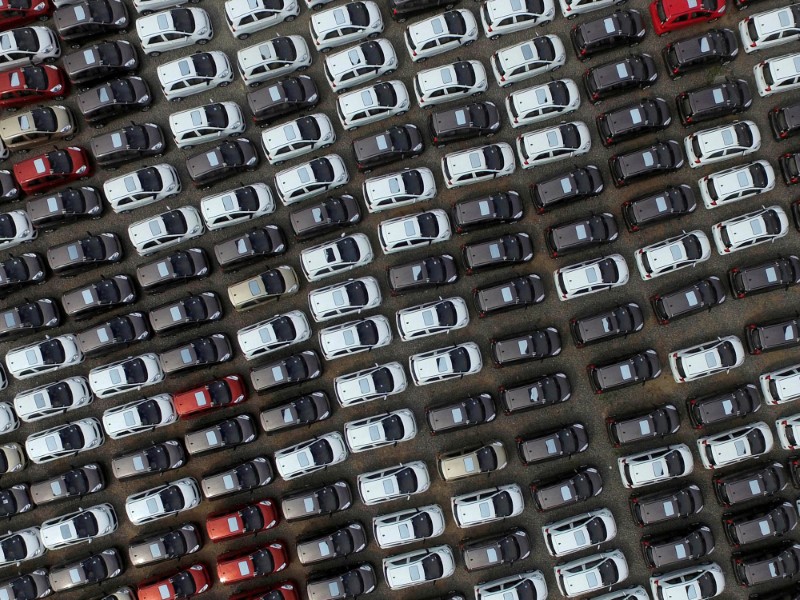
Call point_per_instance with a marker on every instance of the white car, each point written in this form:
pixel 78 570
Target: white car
pixel 16 228
pixel 487 506
pixel 50 354
pixel 418 567
pixel 194 74
pixel 591 573
pixel 709 358
pixel 572 8
pixel 387 429
pixel 8 419
pixel 237 206
pixel 474 165
pixel 591 276
pixel 173 29
pixel 311 179
pixel 392 483
pixel 770 28
pixel 275 333
pixel 146 6
pixel 142 187
pixel 780 386
pixel 370 384
pixel 415 230
pixel 542 102
pixel 722 142
pixel 750 229
pixel 360 64
pixel 453 81
pixel 441 33
pixel 336 256
pixel 370 104
pixel 777 74
pixel 527 59
pixel 276 57
pixel 501 17
pixel 430 318
pixel 579 532
pixel 83 525
pixel 345 24
pixel 655 466
pixel 408 526
pixel 345 298
pixel 736 183
pixel 636 592
pixel 44 46
pixel 788 429
pixel 64 440
pixel 163 501
pixel 698 582
pixel 206 123
pixel 52 399
pixel 552 144
pixel 21 545
pixel 402 188
pixel 165 230
pixel 245 17
pixel 678 252
pixel 355 336
pixel 530 585
pixel 128 374
pixel 735 445
pixel 311 455
pixel 139 416
pixel 442 364
pixel 295 138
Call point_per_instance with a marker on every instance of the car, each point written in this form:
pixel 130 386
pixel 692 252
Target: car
pixel 69 204
pixel 655 466
pixel 724 405
pixel 736 183
pixel 172 29
pixel 649 115
pixel 487 505
pixel 673 202
pixel 330 258
pixel 640 367
pixel 779 272
pixel 191 309
pixel 194 74
pixel 16 499
pixel 658 159
pixel 326 215
pixel 430 271
pixel 701 581
pixel 619 76
pixel 217 393
pixel 78 481
pixel 449 82
pixel 702 294
pixel 25 46
pixel 786 428
pixel 282 98
pixel 553 144
pixel 714 46
pixel 564 490
pixel 360 64
pixel 51 354
pixel 105 59
pixel 206 123
pixel 463 413
pixel 21 271
pixel 508 249
pixel 427 319
pixel 85 253
pixel 783 121
pixel 171 544
pixel 530 584
pixel 12 458
pixel 533 57
pixel 408 525
pixel 95 568
pixel 544 390
pixel 11 16
pixel 202 351
pixel 81 526
pixel 473 460
pixel 564 441
pixel 154 458
pixel 242 520
pixel 139 416
pixel 674 253
pixel 186 583
pixel 370 384
pixel 254 244
pixel 761 523
pixel 577 184
pixel 501 17
pixel 750 229
pixel 272 284
pixel 296 412
pixel 445 363
pixel 666 506
pixel 28 317
pixel 142 187
pixel 657 422
pixel 591 276
pixel 524 291
pixel 536 344
pixel 8 419
pixel 372 103
pixel 399 142
pixel 769 28
pixel 339 299
pixel 777 74
pixel 380 430
pixel 229 158
pixel 342 25
pixel 763 481
pixel 241 565
pixel 52 169
pixel 671 15
pixel 311 179
pixel 608 324
pixel 402 188
pixel 499 549
pixel 720 143
pixel 735 445
pixel 620 28
pixel 323 500
pixel 245 18
pixel 419 567
pixel 705 359
pixel 726 98
pixel 441 33
pixel 343 541
pixel 410 231
pixel 355 336
pixel 542 102
pixel 52 399
pixel 117 332
pixel 165 230
pixel 582 575
pixel 228 433
pixel 760 566
pixel 780 386
pixel 579 532
pixel 296 138
pixel 245 476
pixel 28 85
pixel 67 439
pixel 37 126
pixel 273 334
pixel 177 267
pixel 128 143
pixel 162 501
pixel 565 238
pixel 348 582
pixel 89 18
pixel 773 335
pixel 277 56
pixel 27 586
pixel 790 167
pixel 391 483
pixel 113 98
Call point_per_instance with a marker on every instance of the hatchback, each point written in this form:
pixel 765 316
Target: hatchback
pixel 579 532
pixel 773 274
pixel 714 46
pixel 537 56
pixel 616 77
pixel 750 229
pixel 700 295
pixel 620 28
pixel 103 60
pixel 501 17
pixel 129 143
pixel 729 97
pixel 580 486
pixel 649 115
pixel 282 98
pixel 660 158
pixel 441 33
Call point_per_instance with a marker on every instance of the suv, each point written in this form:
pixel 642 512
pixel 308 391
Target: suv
pixel 701 51
pixel 773 274
pixel 649 115
pixel 700 295
pixel 620 76
pixel 650 161
pixel 620 28
pixel 463 123
pixel 655 423
pixel 635 368
pixel 714 101
pixel 580 183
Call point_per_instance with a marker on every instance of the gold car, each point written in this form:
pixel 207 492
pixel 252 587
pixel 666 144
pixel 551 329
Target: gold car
pixel 269 285
pixel 37 126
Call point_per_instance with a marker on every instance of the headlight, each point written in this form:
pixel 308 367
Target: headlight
pixel 251 161
pixel 303 58
pixel 225 73
pixel 203 31
pixel 130 63
pixel 170 187
pixel 157 146
pixel 56 88
pixel 121 21
pixel 404 103
pixel 81 170
pixel 327 136
pixel 39 6
pixel 25 232
pixel 65 129
pixel 236 125
pixel 47 49
pixel 144 98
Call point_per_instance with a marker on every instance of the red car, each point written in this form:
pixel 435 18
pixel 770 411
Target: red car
pixel 213 394
pixel 260 561
pixel 16 13
pixel 186 583
pixel 250 518
pixel 53 169
pixel 285 590
pixel 28 85
pixel 671 15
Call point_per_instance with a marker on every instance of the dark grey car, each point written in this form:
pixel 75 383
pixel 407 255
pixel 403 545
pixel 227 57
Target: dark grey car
pixel 399 142
pixel 312 502
pixel 67 205
pixel 773 274
pixel 578 184
pixel 622 75
pixel 564 441
pixel 541 391
pixel 337 543
pixel 101 61
pixel 761 481
pixel 606 324
pixel 200 352
pixel 194 309
pixel 670 505
pixel 583 484
pixel 534 345
pixel 325 216
pixel 221 161
pixel 629 370
pixel 131 142
pixel 431 271
pixel 658 422
pixel 9 188
pixel 86 253
pixel 712 101
pixel 484 211
pixel 286 371
pixel 670 203
pixel 664 551
pixel 587 232
pixel 464 122
pixel 28 317
pixel 620 28
pixel 95 568
pixel 706 50
pixel 760 566
pixel 282 98
pixel 296 412
pixel 660 158
pixel 246 476
pixel 15 500
pixel 118 332
pixel 761 523
pixel 467 412
pixel 155 458
pixel 30 586
pixel 649 115
pixel 724 405
pixel 500 549
pixel 75 483
pixel 519 292
pixel 114 98
pixel 87 18
pixel 697 296
pixel 165 545
pixel 20 271
pixel 228 433
pixel 176 268
pixel 773 335
pixel 100 295
pixel 257 243
pixel 342 584
pixel 508 249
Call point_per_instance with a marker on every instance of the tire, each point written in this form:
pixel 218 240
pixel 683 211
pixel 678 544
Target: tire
pixel 373 35
pixel 243 36
pixel 572 17
pixel 352 128
pixel 289 19
pixel 469 43
pixel 154 54
pixel 146 108
pixel 301 69
pixel 201 42
pixel 224 84
pixel 58 97
pixel 69 137
pixel 390 71
pixel 422 60
pixel 326 50
pixel 496 36
pixel 401 113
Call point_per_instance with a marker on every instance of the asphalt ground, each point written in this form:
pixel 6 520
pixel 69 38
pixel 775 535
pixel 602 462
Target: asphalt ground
pixel 584 406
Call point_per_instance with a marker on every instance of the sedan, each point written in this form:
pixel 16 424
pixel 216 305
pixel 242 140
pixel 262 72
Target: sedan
pixel 103 60
pixel 262 561
pixel 325 216
pixel 591 573
pixel 340 299
pixel 254 244
pixel 273 334
pixel 114 334
pixel 53 169
pixel 484 211
pixel 311 455
pixel 467 412
pixel 655 466
pixel 237 205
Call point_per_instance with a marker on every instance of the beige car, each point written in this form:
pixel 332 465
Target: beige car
pixel 37 126
pixel 269 285
pixel 475 460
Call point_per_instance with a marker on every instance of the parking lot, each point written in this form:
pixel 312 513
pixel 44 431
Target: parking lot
pixel 584 406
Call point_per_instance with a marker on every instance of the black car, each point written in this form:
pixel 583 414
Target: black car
pixel 88 18
pixel 114 98
pixel 517 292
pixel 535 345
pixel 606 324
pixel 660 507
pixel 761 523
pixel 29 317
pixel 773 335
pixel 583 484
pixel 762 481
pixel 464 123
pixel 773 274
pixel 620 28
pixel 666 550
pixel 545 390
pixel 795 207
pixel 21 271
pixel 724 406
pixel 296 412
pixel 651 161
pixel 325 216
pixel 9 188
pixel 620 76
pixel 762 566
pixel 587 232
pixel 282 98
pixel 671 203
pixel 485 211
pixel 295 368
pixel 649 115
pixel 655 423
pixel 65 206
pixel 328 545
pixel 101 61
pixel 558 443
pixel 431 271
pixel 578 184
pixel 402 9
pixel 255 244
pixel 622 372
pixel 785 121
pixel 714 46
pixel 399 142
pixel 509 249
pixel 131 142
pixel 790 167
pixel 698 296
pixel 729 97
pixel 498 549
pixel 191 310
pixel 459 414
pixel 222 161
pixel 205 351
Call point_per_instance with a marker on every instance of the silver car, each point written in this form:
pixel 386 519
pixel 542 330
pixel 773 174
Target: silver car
pixel 165 545
pixel 96 568
pixel 249 475
pixel 228 433
pixel 155 458
pixel 76 482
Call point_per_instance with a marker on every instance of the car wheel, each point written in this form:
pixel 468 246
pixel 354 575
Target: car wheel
pixel 44 17
pixel 301 69
pixel 289 19
pixel 98 125
pixel 243 36
pixel 373 35
pixel 325 50
pixel 322 148
pixel 58 97
pixel 390 71
pixel 12 109
pixel 146 108
pixel 75 46
pixel 225 84
pixel 352 128
pixel 254 84
pixel 496 36
pixel 401 113
pixel 422 60
pixel 202 42
pixel 572 17
pixel 469 43
pixel 69 137
pixel 154 54
pixel 178 99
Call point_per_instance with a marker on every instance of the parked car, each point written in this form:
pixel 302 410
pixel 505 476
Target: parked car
pixel 31 45
pixel 591 276
pixel 656 423
pixel 530 583
pixel 202 351
pixel 542 391
pixel 649 115
pixel 581 485
pixel 660 158
pixel 562 442
pixel 142 187
pixel 473 460
pixel 180 266
pixel 29 84
pixel 206 123
pixel 21 271
pixel 449 82
pixel 702 581
pixel 501 18
pixel 197 73
pixel 578 184
pixel 720 143
pixel 103 294
pixel 781 385
pixel 538 344
pixel 750 229
pixel 674 253
pixel 417 229
pixel 431 271
pixel 370 384
pixel 254 244
pixel 607 324
pixel 329 258
pixel 667 550
pixel 507 249
pixel 242 520
pixel 171 544
pixel 114 98
pixel 360 64
pixel 155 458
pixel 84 254
pixel 446 363
pixel 103 60
pixel 245 476
pixel 290 370
pixel 487 505
pixel 76 482
pixel 81 526
pixel 67 439
pixel 466 412
pixel 186 583
pixel 282 98
pixel 273 334
pixel 477 119
pixel 95 568
pixel 761 523
pixel 666 506
pixel 432 563
pixel 621 372
pixel 552 144
pixel 217 393
pixel 372 103
pixel 591 573
pixel 51 354
pixel 70 204
pixel 431 318
pixel 729 97
pixel 311 502
pixel 52 169
pixel 172 29
pixel 392 483
pixel 127 143
pixel 36 127
pixel 735 445
pixel 708 358
pixel 227 433
pixel 760 566
pixel 402 188
pixel 296 412
pixel 762 481
pixel 620 76
pixel 505 295
pixel 776 74
pixel 140 416
pixel 272 284
pixel 712 47
pixel 408 525
pixel 90 18
pixel 773 335
pixel 542 102
pixel 52 399
pixel 311 179
pixel 578 532
pixel 477 164
pixel 776 273
pixel 505 548
pixel 724 405
pixel 784 121
pixel 700 295
pixel 673 202
pixel 671 16
pixel 245 18
pixel 117 332
pixel 28 317
pixel 193 309
pixel 162 501
pixel 350 582
pixel 586 232
pixel 620 28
